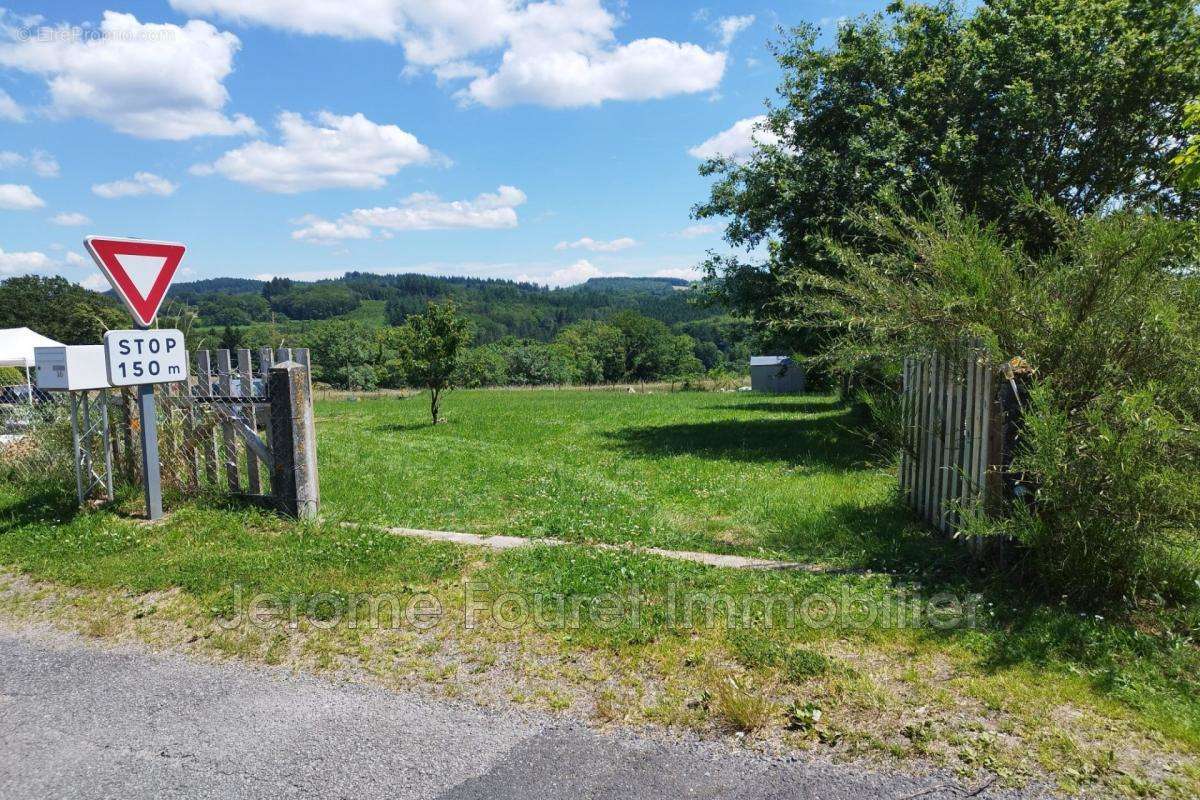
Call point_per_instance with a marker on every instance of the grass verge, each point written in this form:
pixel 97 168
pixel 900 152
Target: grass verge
pixel 1025 693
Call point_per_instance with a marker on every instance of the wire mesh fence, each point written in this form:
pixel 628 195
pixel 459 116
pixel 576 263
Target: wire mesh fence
pixel 35 437
pixel 212 432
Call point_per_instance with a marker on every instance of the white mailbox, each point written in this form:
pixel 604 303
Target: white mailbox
pixel 73 368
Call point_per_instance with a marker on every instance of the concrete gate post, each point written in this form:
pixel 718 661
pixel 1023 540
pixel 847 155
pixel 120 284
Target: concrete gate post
pixel 294 483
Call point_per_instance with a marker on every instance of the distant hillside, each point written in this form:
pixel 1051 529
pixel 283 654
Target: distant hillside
pixel 660 285
pixel 498 309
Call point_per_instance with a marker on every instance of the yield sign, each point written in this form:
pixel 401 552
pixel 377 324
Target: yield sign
pixel 138 269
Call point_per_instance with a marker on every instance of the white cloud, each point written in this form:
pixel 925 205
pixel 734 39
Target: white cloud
pixel 9 110
pixel 688 274
pixel 141 183
pixel 422 211
pixel 322 231
pixel 96 282
pixel 729 27
pixel 364 19
pixel 70 219
pixel 75 260
pixel 578 272
pixel 23 262
pixel 351 152
pixel 737 141
pixel 19 197
pixel 154 81
pixel 559 53
pixel 41 162
pixel 698 230
pixel 598 246
pixel 646 69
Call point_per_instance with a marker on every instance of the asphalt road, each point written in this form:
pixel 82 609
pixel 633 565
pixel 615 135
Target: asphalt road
pixel 81 721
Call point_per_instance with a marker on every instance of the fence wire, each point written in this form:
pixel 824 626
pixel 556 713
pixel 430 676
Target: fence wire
pixel 204 443
pixel 205 446
pixel 212 432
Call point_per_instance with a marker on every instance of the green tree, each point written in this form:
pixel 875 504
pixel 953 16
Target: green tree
pixel 322 301
pixel 595 351
pixel 1188 161
pixel 437 338
pixel 344 354
pixel 276 287
pixel 1109 319
pixel 57 308
pixel 231 338
pixel 652 352
pixel 481 366
pixel 1077 101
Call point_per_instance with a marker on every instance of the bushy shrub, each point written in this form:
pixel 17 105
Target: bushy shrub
pixel 1109 318
pixel 1118 494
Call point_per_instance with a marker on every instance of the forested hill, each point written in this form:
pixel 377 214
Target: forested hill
pixel 498 308
pixel 605 330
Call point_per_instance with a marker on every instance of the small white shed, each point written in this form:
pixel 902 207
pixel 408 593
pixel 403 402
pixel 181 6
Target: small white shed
pixel 776 374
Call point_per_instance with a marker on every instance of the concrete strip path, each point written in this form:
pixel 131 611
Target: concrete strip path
pixel 81 721
pixel 510 542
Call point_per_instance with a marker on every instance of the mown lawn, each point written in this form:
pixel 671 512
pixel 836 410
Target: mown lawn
pixel 723 472
pixel 1025 689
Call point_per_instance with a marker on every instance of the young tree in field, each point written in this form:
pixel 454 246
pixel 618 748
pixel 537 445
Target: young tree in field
pixel 1080 103
pixel 437 337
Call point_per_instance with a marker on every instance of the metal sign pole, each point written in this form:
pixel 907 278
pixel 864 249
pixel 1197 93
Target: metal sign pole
pixel 150 475
pixel 151 478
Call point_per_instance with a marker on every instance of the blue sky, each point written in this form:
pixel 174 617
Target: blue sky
pixel 549 141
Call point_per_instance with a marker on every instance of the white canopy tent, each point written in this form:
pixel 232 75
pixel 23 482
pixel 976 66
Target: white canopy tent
pixel 16 350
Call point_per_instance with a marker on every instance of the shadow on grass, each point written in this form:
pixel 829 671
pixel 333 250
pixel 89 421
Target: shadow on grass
pixel 814 406
pixel 882 537
pixel 402 427
pixel 39 505
pixel 824 441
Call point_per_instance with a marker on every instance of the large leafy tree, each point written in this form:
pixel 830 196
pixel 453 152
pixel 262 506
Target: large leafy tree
pixel 345 354
pixel 1077 101
pixel 55 307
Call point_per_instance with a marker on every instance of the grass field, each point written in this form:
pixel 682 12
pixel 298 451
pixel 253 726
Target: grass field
pixel 1022 689
pixel 724 472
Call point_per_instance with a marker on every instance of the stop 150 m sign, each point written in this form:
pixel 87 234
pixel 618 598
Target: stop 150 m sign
pixel 145 356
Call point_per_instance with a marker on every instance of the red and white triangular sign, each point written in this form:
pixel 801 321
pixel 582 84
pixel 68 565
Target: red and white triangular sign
pixel 138 269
